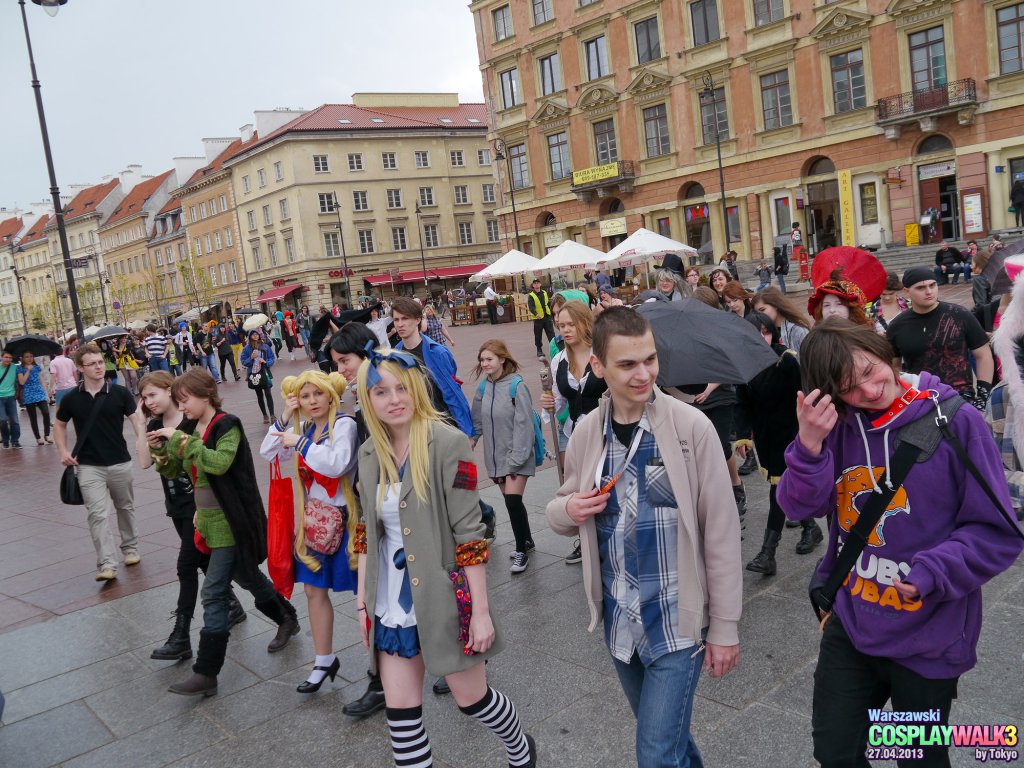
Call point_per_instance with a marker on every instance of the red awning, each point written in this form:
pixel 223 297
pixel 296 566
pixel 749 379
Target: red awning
pixel 441 273
pixel 275 294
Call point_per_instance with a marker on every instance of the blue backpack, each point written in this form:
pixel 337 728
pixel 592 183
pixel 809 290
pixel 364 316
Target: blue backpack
pixel 538 432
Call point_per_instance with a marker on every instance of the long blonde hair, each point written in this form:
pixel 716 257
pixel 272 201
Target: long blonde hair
pixel 425 416
pixel 333 385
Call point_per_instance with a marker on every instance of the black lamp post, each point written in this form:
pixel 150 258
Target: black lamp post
pixel 709 93
pixel 344 256
pixel 51 7
pixel 423 258
pixel 501 153
pixel 18 280
pixel 60 293
pixel 103 279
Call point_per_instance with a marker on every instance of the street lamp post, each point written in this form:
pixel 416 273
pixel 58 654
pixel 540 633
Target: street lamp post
pixel 709 93
pixel 501 153
pixel 18 280
pixel 103 279
pixel 344 256
pixel 51 7
pixel 423 258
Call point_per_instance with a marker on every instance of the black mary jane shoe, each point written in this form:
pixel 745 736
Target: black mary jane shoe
pixel 308 687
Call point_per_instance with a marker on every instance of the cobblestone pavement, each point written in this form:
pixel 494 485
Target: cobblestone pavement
pixel 82 691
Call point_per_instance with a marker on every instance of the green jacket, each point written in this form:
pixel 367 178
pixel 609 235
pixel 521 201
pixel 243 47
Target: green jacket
pixel 431 531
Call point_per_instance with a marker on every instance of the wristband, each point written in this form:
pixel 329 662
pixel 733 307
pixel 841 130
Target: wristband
pixel 361 608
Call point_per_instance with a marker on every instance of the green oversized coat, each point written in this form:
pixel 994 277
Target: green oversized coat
pixel 431 531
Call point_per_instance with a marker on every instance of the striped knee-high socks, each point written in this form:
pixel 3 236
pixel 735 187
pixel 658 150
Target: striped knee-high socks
pixel 499 714
pixel 409 741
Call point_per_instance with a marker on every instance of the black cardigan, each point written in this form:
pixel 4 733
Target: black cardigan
pixel 769 401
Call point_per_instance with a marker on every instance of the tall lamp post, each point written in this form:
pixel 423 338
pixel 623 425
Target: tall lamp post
pixel 51 7
pixel 501 153
pixel 707 96
pixel 423 258
pixel 18 280
pixel 103 279
pixel 344 256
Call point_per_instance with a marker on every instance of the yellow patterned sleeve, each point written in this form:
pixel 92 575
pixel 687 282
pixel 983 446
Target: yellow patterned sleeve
pixel 359 542
pixel 471 553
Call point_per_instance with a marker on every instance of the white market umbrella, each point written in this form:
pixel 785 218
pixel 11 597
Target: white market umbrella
pixel 570 255
pixel 255 321
pixel 643 245
pixel 512 263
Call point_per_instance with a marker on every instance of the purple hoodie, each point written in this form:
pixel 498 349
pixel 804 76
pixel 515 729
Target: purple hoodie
pixel 939 533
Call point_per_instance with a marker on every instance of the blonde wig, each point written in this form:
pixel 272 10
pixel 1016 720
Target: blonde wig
pixel 423 420
pixel 333 385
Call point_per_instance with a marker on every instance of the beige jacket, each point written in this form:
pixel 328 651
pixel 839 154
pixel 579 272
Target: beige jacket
pixel 710 571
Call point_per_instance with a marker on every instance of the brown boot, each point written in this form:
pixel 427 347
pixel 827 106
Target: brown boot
pixel 197 685
pixel 282 613
pixel 209 659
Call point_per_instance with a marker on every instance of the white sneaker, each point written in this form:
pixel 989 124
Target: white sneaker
pixel 132 558
pixel 519 562
pixel 106 574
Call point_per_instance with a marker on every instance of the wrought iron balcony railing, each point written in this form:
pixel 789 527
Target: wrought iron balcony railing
pixel 603 175
pixel 912 104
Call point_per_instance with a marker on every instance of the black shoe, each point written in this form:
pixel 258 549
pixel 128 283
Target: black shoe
pixel 285 631
pixel 370 702
pixel 440 687
pixel 810 538
pixel 197 685
pixel 792 523
pixel 236 613
pixel 530 546
pixel 764 561
pixel 308 687
pixel 533 752
pixel 740 495
pixel 178 646
pixel 487 515
pixel 282 613
pixel 749 465
pixel 576 556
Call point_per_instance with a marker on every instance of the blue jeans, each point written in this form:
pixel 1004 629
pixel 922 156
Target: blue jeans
pixel 159 364
pixel 661 697
pixel 59 394
pixel 223 568
pixel 209 362
pixel 782 281
pixel 10 425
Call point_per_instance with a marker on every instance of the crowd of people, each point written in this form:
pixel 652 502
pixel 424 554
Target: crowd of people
pixel 379 441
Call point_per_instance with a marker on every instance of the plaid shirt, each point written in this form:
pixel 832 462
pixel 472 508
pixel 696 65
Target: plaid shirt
pixel 637 540
pixel 999 415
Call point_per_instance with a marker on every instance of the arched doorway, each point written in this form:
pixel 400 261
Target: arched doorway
pixel 936 176
pixel 824 227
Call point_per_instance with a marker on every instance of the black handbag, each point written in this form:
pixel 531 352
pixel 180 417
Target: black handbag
pixel 70 490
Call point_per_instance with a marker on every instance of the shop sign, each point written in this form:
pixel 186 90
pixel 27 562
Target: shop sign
pixel 552 239
pixel 339 273
pixel 611 227
pixel 936 170
pixel 279 282
pixel 595 173
pixel 974 219
pixel 846 213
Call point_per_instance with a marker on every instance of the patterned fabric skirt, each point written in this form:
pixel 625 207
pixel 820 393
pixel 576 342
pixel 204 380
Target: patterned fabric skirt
pixel 396 641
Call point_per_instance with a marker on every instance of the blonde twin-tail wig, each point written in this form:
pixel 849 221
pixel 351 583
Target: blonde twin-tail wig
pixel 333 385
pixel 423 420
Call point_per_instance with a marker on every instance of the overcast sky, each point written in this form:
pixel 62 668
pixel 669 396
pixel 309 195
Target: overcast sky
pixel 143 81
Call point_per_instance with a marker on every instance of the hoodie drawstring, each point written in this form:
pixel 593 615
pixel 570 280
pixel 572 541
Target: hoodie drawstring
pixel 867 451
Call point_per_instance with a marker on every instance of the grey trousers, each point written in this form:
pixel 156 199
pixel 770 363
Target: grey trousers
pixel 106 490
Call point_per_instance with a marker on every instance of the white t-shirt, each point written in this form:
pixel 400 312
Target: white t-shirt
pixel 490 294
pixel 389 577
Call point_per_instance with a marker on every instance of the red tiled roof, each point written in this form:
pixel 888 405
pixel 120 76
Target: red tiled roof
pixel 348 117
pixel 173 204
pixel 36 233
pixel 137 198
pixel 85 202
pixel 9 228
pixel 218 162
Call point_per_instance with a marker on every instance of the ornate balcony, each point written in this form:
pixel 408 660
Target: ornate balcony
pixel 924 107
pixel 603 179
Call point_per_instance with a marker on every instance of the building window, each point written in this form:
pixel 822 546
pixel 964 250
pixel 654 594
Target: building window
pixel 1011 38
pixel 558 155
pixel 778 111
pixel 388 161
pixel 656 130
pixel 704 17
pixel 246 187
pixel 550 74
pixel 332 245
pixel 158 256
pixel 320 164
pixel 461 194
pixel 283 204
pixel 457 157
pixel 213 278
pixel 289 251
pixel 355 161
pixel 223 204
pixel 714 116
pixel 326 202
pixel 426 196
pixel 398 241
pixel 365 240
pixel 520 166
pixel 174 284
pixel 261 177
pixel 227 239
pixel 502 23
pixel 202 210
pixel 217 242
pixel 192 213
pixel 234 271
pixel 597 57
pixel 251 219
pixel 272 253
pixel 848 90
pixel 648 45
pixel 278 176
pixel 465 233
pixel 483 157
pixel 868 203
pixel 430 236
pixel 422 158
pixel 267 221
pixel 360 201
pixel 542 11
pixel 394 198
pixel 928 59
pixel 604 141
pixel 487 191
pixel 767 11
pixel 257 260
pixel 664 226
pixel 492 231
pixel 169 255
pixel 223 274
pixel 509 87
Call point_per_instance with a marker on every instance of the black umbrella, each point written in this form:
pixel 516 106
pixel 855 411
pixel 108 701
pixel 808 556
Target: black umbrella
pixel 995 270
pixel 37 345
pixel 108 332
pixel 699 345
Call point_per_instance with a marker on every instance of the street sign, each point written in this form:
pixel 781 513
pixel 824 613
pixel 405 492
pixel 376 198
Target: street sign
pixel 81 263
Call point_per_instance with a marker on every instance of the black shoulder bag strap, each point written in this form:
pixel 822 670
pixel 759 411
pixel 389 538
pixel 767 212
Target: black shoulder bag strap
pixel 80 438
pixel 7 370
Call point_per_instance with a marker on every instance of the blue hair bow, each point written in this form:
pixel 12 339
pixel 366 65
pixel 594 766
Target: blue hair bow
pixel 404 359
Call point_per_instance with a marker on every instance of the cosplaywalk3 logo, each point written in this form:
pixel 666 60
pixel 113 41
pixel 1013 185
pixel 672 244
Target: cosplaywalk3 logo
pixel 903 736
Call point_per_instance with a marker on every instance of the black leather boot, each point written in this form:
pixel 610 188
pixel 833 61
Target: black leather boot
pixel 213 647
pixel 178 646
pixel 749 464
pixel 282 613
pixel 370 702
pixel 764 561
pixel 810 537
pixel 740 494
pixel 236 613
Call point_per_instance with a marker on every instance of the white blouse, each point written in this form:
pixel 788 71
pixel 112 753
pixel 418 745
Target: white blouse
pixel 331 455
pixel 389 577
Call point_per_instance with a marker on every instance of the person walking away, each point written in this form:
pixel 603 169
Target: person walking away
pixel 275 334
pixel 33 396
pixel 1017 202
pixel 63 375
pixel 323 449
pixel 538 307
pixel 647 491
pixel 257 359
pixel 160 409
pixel 420 505
pixel 10 423
pixel 781 250
pixel 904 626
pixel 503 416
pixel 226 354
pixel 156 349
pixel 491 297
pixel 99 409
pixel 127 364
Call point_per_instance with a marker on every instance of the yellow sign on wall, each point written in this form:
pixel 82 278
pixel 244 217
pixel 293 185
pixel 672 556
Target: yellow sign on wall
pixel 595 173
pixel 846 210
pixel 912 233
